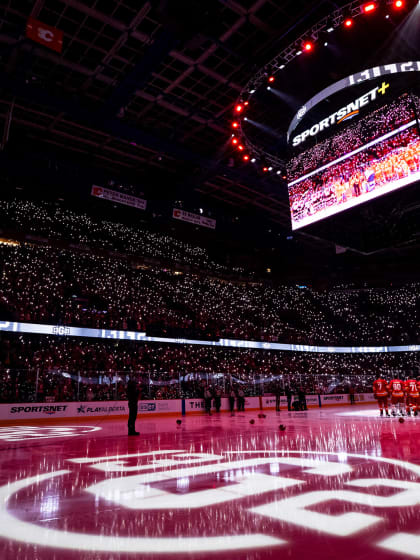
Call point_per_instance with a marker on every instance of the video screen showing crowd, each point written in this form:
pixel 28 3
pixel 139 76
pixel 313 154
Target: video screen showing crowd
pixel 404 396
pixel 373 156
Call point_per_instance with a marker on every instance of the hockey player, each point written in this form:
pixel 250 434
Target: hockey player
pixel 380 391
pixel 396 389
pixel 412 396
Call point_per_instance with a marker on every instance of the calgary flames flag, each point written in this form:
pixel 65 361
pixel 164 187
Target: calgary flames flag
pixel 40 32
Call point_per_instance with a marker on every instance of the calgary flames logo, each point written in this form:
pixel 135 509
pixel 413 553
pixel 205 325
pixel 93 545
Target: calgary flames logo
pixel 174 501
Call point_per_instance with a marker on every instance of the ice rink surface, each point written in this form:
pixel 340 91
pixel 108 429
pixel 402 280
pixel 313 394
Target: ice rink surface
pixel 338 482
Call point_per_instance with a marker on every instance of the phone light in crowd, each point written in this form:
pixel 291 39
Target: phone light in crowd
pixel 234 141
pixel 369 8
pixel 271 79
pixel 308 46
pixel 235 124
pixel 239 108
pixel 348 22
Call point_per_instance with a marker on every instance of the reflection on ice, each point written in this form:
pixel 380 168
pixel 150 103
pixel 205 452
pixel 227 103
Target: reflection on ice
pixel 218 486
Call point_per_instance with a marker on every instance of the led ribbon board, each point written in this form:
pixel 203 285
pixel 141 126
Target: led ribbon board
pixel 136 336
pixel 352 80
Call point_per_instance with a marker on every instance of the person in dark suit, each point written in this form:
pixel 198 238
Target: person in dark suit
pixel 289 395
pixel 133 394
pixel 218 399
pixel 207 399
pixel 277 392
pixel 241 400
pixel 232 397
pixel 302 399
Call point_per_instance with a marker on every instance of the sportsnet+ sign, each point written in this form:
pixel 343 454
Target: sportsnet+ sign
pixel 349 111
pixel 386 71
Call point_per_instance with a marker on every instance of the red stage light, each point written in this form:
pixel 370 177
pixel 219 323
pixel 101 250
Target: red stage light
pixel 398 4
pixel 246 157
pixel 368 8
pixel 238 108
pixel 348 22
pixel 271 79
pixel 240 147
pixel 246 103
pixel 235 124
pixel 308 46
pixel 235 141
pixel 265 169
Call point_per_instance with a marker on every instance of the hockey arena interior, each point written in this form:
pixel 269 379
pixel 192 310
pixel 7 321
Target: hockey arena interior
pixel 209 279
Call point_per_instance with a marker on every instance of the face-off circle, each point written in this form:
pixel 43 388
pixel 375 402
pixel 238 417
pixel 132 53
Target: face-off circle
pixel 24 433
pixel 173 501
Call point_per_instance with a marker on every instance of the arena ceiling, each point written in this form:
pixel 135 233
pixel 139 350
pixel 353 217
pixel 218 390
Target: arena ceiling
pixel 147 89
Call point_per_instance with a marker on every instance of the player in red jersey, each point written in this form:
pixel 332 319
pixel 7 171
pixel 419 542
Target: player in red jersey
pixel 418 389
pixel 396 389
pixel 380 391
pixel 412 396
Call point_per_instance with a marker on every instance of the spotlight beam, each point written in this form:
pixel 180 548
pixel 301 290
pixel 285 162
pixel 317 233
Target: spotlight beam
pixel 265 128
pixel 288 99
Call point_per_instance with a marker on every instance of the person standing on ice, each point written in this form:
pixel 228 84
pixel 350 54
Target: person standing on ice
pixel 396 389
pixel 133 394
pixel 381 394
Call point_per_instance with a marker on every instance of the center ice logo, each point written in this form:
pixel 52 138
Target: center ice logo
pixel 266 495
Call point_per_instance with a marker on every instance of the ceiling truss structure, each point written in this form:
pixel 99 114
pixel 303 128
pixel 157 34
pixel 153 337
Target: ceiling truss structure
pixel 139 89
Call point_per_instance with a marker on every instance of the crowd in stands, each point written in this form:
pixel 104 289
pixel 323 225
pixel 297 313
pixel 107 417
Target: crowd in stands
pixel 82 286
pixel 379 122
pixel 64 287
pixel 41 284
pixel 54 221
pixel 43 368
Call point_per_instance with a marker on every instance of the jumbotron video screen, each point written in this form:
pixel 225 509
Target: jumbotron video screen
pixel 372 156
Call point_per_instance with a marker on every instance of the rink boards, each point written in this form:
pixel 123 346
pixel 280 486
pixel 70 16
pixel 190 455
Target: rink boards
pixel 80 410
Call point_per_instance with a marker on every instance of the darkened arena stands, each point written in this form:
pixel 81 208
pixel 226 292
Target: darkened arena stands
pixel 210 280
